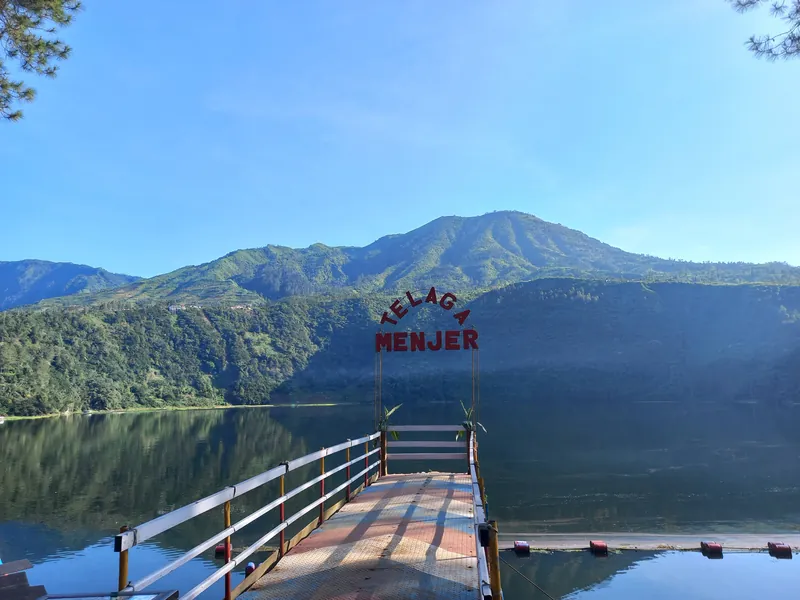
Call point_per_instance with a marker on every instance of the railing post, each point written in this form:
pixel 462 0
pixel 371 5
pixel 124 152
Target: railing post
pixel 347 473
pixel 123 565
pixel 366 464
pixel 469 447
pixel 494 561
pixel 226 511
pixel 384 467
pixel 322 489
pixel 283 518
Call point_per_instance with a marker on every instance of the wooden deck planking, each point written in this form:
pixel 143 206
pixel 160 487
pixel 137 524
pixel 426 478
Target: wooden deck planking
pixel 405 536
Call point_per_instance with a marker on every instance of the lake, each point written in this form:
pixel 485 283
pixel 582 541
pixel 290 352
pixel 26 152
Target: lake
pixel 67 484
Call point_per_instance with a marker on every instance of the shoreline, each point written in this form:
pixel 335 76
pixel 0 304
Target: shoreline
pixel 120 411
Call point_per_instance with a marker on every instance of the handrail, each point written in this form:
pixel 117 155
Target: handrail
pixel 401 428
pixel 145 531
pixel 480 521
pixel 127 539
pixel 217 575
pixel 427 444
pixel 154 527
pixel 427 456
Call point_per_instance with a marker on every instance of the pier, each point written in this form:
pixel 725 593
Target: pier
pixel 398 535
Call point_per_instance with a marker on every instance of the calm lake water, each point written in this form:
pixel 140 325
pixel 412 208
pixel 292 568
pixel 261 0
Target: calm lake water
pixel 67 484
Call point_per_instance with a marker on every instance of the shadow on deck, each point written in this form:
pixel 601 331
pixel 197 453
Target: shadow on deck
pixel 405 536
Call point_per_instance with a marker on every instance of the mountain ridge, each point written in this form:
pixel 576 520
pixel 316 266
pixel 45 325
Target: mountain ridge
pixel 29 281
pixel 462 253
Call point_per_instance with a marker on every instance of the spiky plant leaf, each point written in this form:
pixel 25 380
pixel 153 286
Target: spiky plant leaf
pixel 390 412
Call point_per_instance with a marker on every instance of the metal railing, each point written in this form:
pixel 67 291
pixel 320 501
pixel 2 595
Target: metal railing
pixel 482 543
pixel 128 538
pixel 463 446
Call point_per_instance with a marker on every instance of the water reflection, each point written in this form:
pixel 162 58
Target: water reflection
pixel 68 484
pixel 103 471
pixel 663 575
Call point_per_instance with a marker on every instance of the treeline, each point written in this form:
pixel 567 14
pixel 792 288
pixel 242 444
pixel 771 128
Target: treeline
pixel 301 350
pixel 57 361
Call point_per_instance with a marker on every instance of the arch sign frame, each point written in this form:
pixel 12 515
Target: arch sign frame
pixel 416 341
pixel 465 338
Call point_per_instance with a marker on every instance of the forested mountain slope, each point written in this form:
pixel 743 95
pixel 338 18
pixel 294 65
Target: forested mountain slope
pixel 647 339
pixel 474 253
pixel 28 281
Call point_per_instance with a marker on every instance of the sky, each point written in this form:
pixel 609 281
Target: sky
pixel 172 137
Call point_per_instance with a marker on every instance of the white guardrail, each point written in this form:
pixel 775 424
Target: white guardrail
pixel 479 513
pixel 141 533
pixel 427 444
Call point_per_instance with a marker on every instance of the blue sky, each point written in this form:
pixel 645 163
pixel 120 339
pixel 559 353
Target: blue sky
pixel 172 137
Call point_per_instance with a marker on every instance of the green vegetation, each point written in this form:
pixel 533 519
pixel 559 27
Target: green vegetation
pixel 785 44
pixel 28 281
pixel 277 325
pixel 383 424
pixel 313 350
pixel 26 30
pixel 454 253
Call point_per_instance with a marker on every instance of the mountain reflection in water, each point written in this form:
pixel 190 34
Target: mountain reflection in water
pixel 68 484
pixel 652 575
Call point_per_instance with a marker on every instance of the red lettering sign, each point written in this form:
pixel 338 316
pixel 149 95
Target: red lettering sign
pixel 419 341
pixel 464 339
pixel 400 341
pixel 398 309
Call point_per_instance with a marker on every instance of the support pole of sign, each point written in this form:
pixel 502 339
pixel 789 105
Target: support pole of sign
pixel 375 415
pixel 477 409
pixel 378 400
pixel 474 417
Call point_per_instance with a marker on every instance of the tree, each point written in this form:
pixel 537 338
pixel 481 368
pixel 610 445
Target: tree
pixel 782 45
pixel 27 28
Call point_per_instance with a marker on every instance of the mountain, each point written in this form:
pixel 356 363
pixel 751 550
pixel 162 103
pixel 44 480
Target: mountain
pixel 458 253
pixel 558 338
pixel 29 281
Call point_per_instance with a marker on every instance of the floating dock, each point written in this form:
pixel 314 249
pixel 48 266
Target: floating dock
pixel 648 541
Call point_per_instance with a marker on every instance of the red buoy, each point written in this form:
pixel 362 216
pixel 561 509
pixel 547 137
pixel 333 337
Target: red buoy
pixel 711 549
pixel 219 550
pixel 598 547
pixel 779 550
pixel 522 547
pixel 251 566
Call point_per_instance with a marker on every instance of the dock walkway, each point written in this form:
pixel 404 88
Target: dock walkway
pixel 407 536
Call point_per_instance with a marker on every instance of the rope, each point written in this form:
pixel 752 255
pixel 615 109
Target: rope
pixel 508 564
